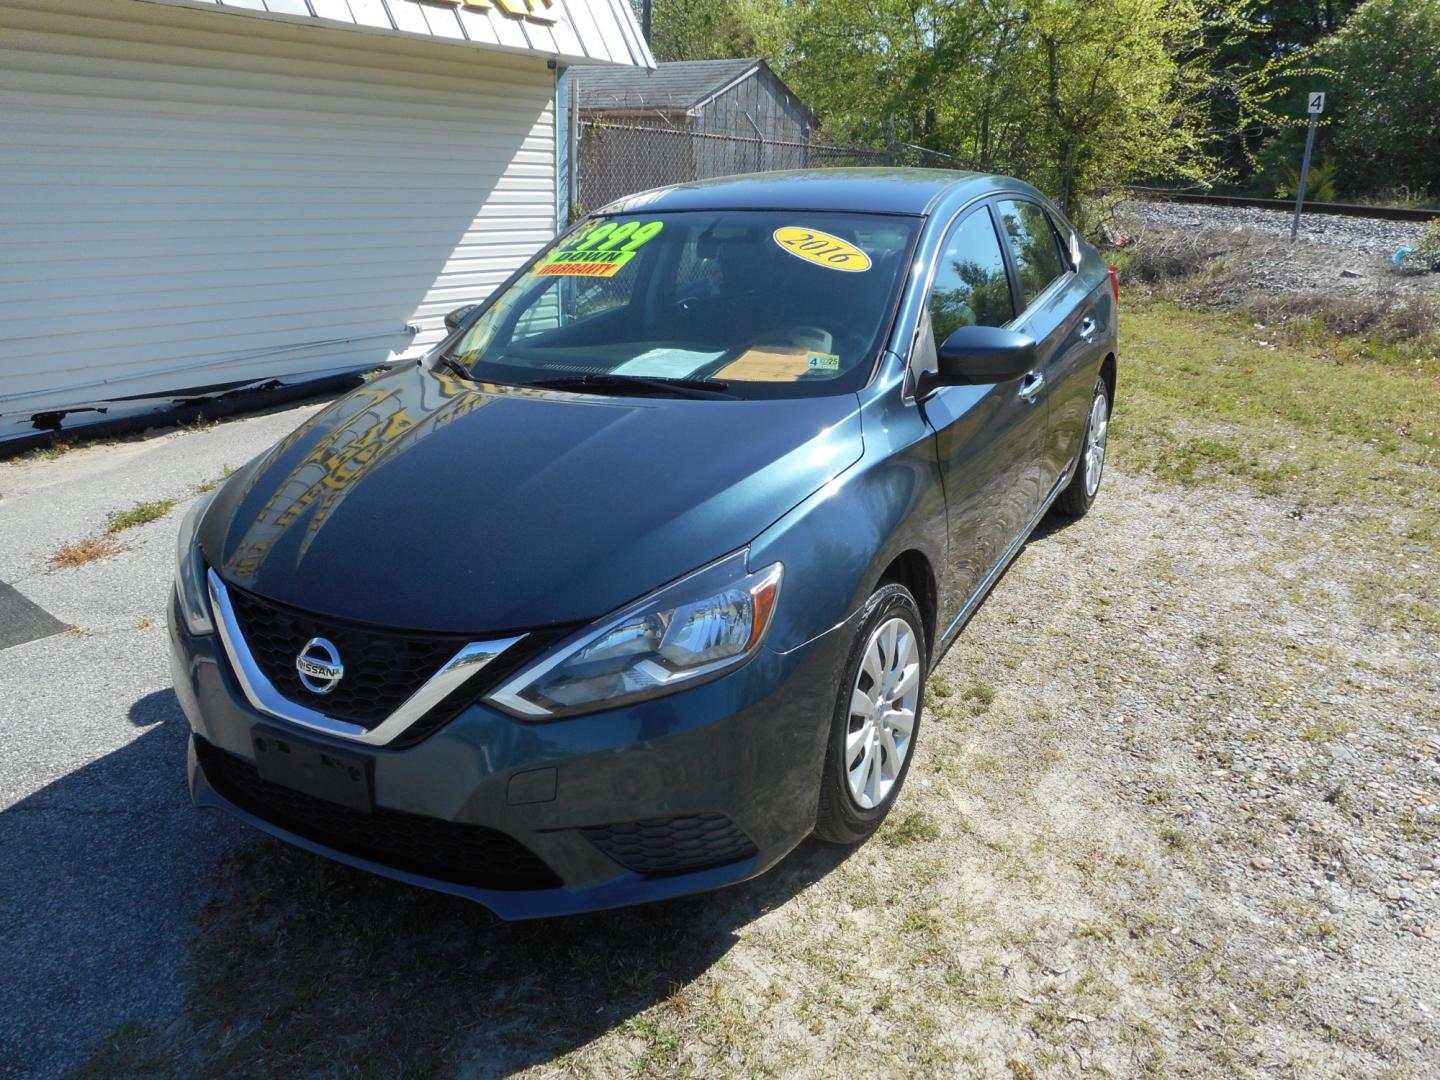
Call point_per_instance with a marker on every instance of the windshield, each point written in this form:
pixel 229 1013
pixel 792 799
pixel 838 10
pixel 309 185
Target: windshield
pixel 768 303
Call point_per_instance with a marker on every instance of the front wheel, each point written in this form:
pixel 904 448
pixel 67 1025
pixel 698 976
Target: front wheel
pixel 1079 496
pixel 877 718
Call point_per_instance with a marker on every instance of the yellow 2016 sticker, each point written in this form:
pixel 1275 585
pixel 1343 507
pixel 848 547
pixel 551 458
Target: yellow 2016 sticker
pixel 822 249
pixel 602 251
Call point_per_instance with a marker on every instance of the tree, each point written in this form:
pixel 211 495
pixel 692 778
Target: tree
pixel 1074 95
pixel 701 29
pixel 1384 124
pixel 1271 34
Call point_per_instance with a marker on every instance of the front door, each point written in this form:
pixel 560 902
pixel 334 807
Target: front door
pixel 1053 311
pixel 988 438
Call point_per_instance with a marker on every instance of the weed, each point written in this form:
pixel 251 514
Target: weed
pixel 913 826
pixel 1382 317
pixel 55 450
pixel 662 1040
pixel 1174 839
pixel 1326 729
pixel 921 921
pixel 980 696
pixel 210 485
pixel 83 551
pixel 141 513
pixel 939 687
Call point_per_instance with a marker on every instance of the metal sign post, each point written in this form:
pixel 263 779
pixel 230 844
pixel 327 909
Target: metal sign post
pixel 1315 105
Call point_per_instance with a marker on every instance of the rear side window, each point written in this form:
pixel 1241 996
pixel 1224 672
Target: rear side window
pixel 1035 245
pixel 970 288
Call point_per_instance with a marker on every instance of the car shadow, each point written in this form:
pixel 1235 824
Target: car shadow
pixel 1053 522
pixel 99 871
pixel 122 904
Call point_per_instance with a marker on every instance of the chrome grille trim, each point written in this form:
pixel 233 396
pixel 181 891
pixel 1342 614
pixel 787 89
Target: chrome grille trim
pixel 262 694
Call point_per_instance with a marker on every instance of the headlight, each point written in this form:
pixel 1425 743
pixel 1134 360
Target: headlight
pixel 697 628
pixel 190 571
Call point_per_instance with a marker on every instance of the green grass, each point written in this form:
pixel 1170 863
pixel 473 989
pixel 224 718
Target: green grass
pixel 141 513
pixel 1352 425
pixel 1202 403
pixel 980 697
pixel 910 827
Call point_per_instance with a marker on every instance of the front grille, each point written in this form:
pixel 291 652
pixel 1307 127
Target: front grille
pixel 444 850
pixel 382 667
pixel 672 845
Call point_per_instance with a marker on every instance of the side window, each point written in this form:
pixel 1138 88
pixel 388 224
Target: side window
pixel 970 288
pixel 1035 246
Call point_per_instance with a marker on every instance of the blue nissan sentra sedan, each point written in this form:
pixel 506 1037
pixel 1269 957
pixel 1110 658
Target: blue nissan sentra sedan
pixel 634 581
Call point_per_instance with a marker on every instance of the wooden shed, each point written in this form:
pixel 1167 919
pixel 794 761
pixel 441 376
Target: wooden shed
pixel 741 100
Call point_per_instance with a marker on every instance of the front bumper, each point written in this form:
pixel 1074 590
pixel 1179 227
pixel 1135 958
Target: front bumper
pixel 747 746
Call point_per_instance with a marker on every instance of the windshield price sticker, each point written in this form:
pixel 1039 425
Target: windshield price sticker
pixel 822 249
pixel 602 251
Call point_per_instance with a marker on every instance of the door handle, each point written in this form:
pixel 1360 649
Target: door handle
pixel 1031 386
pixel 1087 328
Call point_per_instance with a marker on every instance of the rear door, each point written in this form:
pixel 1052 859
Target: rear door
pixel 988 438
pixel 1052 305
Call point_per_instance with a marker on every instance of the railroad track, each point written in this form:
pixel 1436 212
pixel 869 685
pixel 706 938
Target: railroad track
pixel 1385 213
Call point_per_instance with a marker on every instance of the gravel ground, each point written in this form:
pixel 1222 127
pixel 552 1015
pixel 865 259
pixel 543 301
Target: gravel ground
pixel 1218 660
pixel 1347 258
pixel 1367 236
pixel 1175 810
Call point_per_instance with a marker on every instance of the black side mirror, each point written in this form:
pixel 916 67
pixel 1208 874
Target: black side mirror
pixel 981 355
pixel 456 317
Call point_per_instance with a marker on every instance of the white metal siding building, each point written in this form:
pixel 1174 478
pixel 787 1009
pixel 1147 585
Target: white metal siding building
pixel 196 194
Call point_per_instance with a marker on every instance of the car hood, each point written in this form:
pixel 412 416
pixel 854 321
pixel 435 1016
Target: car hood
pixel 425 501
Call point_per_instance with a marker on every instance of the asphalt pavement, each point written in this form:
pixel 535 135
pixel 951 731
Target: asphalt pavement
pixel 103 861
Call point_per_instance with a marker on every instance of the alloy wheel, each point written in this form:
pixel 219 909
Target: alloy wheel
pixel 1095 444
pixel 882 712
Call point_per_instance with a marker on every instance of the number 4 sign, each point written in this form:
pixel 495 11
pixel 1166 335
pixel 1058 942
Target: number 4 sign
pixel 1315 105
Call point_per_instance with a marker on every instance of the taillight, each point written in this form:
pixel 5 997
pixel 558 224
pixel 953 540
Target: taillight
pixel 1115 282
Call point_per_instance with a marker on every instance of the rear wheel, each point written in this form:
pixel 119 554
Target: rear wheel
pixel 877 718
pixel 1079 496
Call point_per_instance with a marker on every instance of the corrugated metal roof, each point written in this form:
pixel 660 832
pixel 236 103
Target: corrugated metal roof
pixel 582 31
pixel 679 84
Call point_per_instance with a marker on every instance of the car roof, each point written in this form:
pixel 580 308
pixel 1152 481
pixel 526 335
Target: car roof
pixel 876 190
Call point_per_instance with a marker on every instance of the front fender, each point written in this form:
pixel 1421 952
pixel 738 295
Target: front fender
pixel 836 544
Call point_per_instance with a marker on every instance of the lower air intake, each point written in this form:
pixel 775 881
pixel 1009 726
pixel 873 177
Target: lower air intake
pixel 673 845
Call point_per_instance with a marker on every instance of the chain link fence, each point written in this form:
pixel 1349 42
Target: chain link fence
pixel 614 160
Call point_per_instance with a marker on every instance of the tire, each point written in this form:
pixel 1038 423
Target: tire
pixel 844 817
pixel 1077 498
